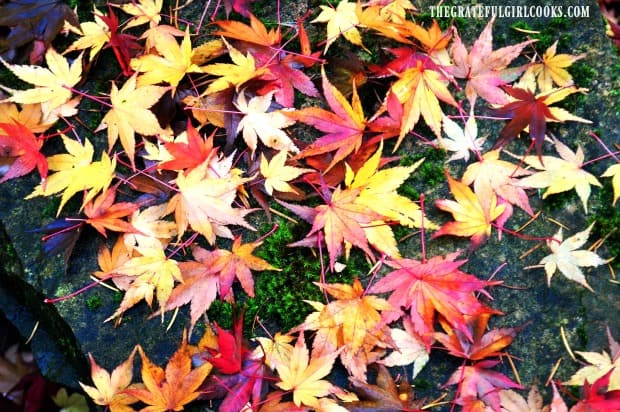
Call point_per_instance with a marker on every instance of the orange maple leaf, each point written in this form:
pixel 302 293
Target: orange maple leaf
pixel 473 216
pixel 104 214
pixel 174 387
pixel 352 322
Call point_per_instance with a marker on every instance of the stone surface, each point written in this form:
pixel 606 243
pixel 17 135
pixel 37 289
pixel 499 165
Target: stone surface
pixel 72 328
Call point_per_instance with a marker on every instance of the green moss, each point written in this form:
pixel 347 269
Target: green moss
pixel 118 297
pixel 94 302
pixel 558 201
pixel 427 176
pixel 607 219
pixel 548 33
pixel 49 210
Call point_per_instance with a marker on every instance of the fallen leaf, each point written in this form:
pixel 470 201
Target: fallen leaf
pixel 473 215
pixel 109 389
pixel 342 20
pixel 174 387
pixel 303 375
pixel 130 114
pixel 20 143
pixel 561 174
pixel 567 259
pixel 76 172
pixel 485 69
pixel 277 174
pixel 52 84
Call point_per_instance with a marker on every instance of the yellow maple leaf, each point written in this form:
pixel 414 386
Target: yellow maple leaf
pixel 473 214
pixel 130 114
pixel 109 389
pixel 30 116
pixel 242 69
pixel 567 259
pixel 340 20
pixel 277 174
pixel 143 11
pixel 277 351
pixel 419 89
pixel 150 228
pixel 560 174
pixel 75 172
pixel 153 272
pixel 551 69
pixel 173 63
pixel 260 123
pixel 205 200
pixel 613 171
pixel 303 375
pixel 599 365
pixel 52 84
pixel 93 35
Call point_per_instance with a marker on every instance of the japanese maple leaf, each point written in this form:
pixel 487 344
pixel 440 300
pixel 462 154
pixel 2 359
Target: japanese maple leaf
pixel 494 175
pixel 426 288
pixel 281 68
pixel 52 84
pixel 149 228
pixel 190 154
pixel 600 364
pixel 485 69
pixel 102 213
pixel 174 387
pixel 109 389
pixel 419 89
pixel 75 172
pixel 130 114
pixel 17 141
pixel 339 220
pixel 511 401
pixel 565 257
pixel 143 11
pixel 378 193
pixel 93 35
pixel 344 125
pixel 351 322
pixel 479 382
pixel 561 174
pixel 551 70
pixel 205 201
pixel 532 111
pixel 122 44
pixel 384 395
pixel 258 122
pixel 242 69
pixel 199 287
pixel 598 397
pixel 238 263
pixel 613 171
pixel 239 376
pixel 484 344
pixel 29 116
pixel 342 20
pixel 151 271
pixel 473 215
pixel 171 65
pixel 461 141
pixel 303 375
pixel 277 174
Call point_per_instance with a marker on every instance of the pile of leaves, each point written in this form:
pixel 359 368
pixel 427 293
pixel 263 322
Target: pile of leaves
pixel 202 134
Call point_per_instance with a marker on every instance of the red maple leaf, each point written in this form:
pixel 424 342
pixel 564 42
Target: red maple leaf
pixel 477 382
pixel 344 125
pixel 20 143
pixel 433 286
pixel 596 397
pixel 188 155
pixel 121 43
